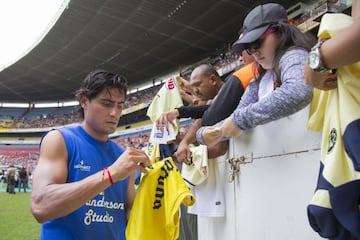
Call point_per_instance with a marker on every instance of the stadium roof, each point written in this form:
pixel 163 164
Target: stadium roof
pixel 141 39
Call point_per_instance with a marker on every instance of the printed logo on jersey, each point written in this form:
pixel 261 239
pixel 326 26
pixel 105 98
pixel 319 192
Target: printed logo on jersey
pixel 171 83
pixel 95 215
pixel 332 140
pixel 82 166
pixel 159 194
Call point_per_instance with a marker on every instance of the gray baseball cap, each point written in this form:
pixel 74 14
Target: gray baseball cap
pixel 258 21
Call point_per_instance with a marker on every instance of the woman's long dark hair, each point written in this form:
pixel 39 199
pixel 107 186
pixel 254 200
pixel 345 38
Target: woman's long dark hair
pixel 289 36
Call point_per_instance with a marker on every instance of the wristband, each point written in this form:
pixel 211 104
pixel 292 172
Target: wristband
pixel 109 175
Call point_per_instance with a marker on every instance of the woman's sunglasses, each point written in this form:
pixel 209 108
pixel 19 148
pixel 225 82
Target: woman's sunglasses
pixel 253 47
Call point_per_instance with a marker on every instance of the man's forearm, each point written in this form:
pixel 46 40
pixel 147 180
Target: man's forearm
pixel 190 136
pixel 194 112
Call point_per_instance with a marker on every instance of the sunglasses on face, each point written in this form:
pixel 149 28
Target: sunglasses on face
pixel 253 47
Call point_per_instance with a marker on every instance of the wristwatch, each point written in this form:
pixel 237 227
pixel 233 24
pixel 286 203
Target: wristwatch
pixel 315 62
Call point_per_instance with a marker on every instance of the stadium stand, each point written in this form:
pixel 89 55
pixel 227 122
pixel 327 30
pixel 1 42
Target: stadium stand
pixel 20 156
pixel 12 113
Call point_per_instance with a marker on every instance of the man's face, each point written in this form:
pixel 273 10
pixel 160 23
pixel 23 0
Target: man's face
pixel 203 86
pixel 102 113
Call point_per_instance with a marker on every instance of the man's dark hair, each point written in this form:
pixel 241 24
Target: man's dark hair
pixel 95 82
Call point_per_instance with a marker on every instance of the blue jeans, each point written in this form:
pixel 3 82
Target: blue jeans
pixel 22 184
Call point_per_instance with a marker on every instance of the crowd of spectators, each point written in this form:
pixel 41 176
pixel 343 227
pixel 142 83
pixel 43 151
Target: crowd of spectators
pixel 23 157
pixel 70 116
pixel 225 59
pixel 45 122
pixel 138 141
pixel 144 96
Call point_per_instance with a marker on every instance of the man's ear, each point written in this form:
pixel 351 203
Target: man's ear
pixel 213 79
pixel 83 102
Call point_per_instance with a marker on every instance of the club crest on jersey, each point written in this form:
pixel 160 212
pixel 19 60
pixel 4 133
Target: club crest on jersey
pixel 171 83
pixel 332 140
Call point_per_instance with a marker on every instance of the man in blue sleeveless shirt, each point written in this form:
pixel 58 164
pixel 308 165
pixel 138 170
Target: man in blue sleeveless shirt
pixel 83 185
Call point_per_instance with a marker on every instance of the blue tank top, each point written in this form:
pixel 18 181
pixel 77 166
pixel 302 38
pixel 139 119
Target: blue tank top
pixel 102 217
